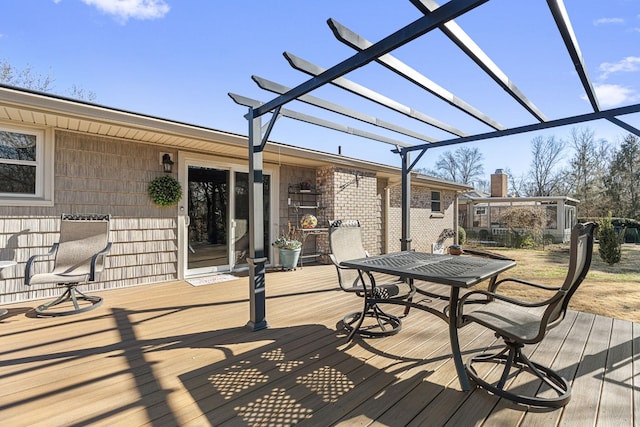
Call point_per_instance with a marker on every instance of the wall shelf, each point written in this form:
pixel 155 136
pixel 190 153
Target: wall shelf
pixel 300 203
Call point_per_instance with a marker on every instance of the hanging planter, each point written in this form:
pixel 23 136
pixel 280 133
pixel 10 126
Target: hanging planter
pixel 165 190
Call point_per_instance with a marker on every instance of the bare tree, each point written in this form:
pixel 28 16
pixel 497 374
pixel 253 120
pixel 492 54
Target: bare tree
pixel 546 179
pixel 464 166
pixel 446 167
pixel 587 170
pixel 78 92
pixel 25 77
pixel 518 185
pixel 483 185
pixel 29 79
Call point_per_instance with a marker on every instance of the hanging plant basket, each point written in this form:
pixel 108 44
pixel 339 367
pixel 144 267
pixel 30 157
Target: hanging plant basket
pixel 165 190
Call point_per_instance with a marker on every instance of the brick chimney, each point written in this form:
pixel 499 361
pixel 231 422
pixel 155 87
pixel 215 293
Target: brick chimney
pixel 499 184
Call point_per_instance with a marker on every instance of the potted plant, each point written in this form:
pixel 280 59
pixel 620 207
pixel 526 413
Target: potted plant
pixel 290 246
pixel 165 190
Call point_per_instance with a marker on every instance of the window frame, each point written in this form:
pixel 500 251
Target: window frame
pixel 436 202
pixel 43 195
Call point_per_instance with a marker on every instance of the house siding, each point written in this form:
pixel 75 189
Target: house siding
pixel 96 175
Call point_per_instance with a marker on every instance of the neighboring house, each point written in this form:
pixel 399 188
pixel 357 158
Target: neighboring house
pixel 59 155
pixel 480 211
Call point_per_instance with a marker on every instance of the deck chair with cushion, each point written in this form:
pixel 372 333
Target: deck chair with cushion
pixel 519 323
pixel 345 240
pixel 78 258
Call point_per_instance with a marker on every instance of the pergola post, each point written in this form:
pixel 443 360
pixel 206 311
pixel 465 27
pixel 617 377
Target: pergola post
pixel 405 240
pixel 256 259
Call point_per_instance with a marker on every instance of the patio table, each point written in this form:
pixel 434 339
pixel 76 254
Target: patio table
pixel 455 271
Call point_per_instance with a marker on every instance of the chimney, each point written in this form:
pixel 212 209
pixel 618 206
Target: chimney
pixel 499 184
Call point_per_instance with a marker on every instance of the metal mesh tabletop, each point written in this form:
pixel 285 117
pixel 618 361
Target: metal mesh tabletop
pixel 452 270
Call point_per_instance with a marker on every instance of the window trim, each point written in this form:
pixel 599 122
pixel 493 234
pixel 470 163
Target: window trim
pixel 438 201
pixel 45 148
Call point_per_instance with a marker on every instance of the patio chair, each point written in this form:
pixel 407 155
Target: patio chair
pixel 345 240
pixel 78 257
pixel 520 323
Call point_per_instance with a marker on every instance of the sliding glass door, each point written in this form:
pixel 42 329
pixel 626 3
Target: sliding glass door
pixel 217 227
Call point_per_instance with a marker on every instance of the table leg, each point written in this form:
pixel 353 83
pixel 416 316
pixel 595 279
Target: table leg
pixel 453 338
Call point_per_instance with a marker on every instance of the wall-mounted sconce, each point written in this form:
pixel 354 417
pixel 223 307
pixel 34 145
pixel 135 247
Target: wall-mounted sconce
pixel 167 163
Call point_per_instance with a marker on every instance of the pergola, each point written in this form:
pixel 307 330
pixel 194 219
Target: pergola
pixel 435 18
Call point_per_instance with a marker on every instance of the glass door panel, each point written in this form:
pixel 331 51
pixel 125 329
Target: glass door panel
pixel 241 216
pixel 208 195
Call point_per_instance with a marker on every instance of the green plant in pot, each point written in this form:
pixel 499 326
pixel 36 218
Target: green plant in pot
pixel 290 246
pixel 165 190
pixel 284 243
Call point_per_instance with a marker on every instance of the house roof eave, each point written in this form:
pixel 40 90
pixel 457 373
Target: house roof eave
pixel 29 107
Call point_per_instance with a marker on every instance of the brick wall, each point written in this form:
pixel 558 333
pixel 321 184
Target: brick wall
pixel 344 194
pixel 355 196
pixel 426 226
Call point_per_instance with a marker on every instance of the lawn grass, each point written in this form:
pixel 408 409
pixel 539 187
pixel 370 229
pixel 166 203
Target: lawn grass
pixel 612 291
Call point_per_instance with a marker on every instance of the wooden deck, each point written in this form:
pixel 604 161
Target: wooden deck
pixel 174 354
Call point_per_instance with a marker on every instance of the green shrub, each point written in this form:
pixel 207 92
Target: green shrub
pixel 483 234
pixel 610 243
pixel 519 239
pixel 462 236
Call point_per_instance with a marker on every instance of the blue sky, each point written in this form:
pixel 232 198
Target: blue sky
pixel 179 59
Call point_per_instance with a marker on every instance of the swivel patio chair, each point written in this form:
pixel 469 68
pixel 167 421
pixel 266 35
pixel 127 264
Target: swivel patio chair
pixel 519 323
pixel 78 258
pixel 345 239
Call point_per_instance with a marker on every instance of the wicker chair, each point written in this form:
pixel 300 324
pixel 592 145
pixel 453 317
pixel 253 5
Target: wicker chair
pixel 345 238
pixel 78 258
pixel 520 323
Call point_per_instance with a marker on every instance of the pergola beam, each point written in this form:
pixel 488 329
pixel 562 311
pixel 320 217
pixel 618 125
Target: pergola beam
pixel 468 46
pixel 610 115
pixel 421 26
pixel 563 23
pixel 314 70
pixel 359 43
pixel 295 115
pixel 624 125
pixel 339 109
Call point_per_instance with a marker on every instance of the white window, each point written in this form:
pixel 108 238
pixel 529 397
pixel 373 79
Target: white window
pixel 26 167
pixel 436 205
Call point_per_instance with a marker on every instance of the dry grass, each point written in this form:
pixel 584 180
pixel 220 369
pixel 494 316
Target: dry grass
pixel 612 291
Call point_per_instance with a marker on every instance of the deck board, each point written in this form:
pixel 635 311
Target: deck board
pixel 617 389
pixel 174 354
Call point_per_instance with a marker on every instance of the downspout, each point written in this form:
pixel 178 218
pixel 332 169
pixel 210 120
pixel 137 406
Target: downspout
pixel 405 240
pixel 387 207
pixel 456 216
